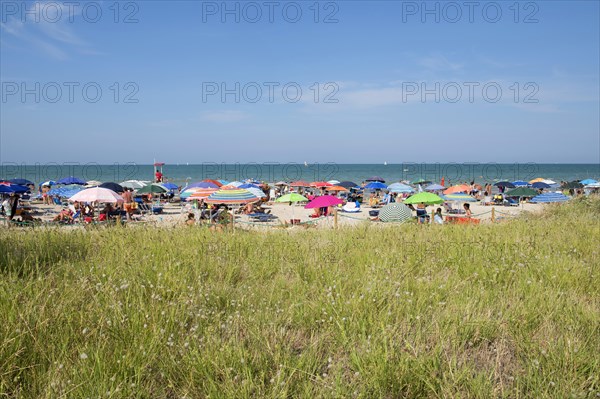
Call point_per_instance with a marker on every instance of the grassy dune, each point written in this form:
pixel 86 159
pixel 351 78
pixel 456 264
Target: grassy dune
pixel 509 310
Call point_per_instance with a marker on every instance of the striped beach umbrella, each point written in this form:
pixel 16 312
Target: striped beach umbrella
pixel 237 196
pixel 198 193
pixel 549 197
pixel 459 197
pixel 395 212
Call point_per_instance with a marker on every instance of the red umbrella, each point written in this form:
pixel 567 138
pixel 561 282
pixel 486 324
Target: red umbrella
pixel 323 202
pixel 320 184
pixel 213 182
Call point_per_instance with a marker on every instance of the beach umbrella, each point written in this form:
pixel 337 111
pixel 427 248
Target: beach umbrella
pixel 257 192
pixel 8 188
pixel 521 192
pixel 281 183
pixel 70 180
pixel 548 181
pixel 93 183
pixel 395 212
pixel 420 181
pixel 459 197
pixel 237 196
pixel 198 193
pixel 424 198
pixel 572 184
pixel 336 188
pixel 247 186
pixel 320 184
pixel 334 182
pixel 434 187
pixel 460 188
pixel 505 184
pixel 347 184
pixel 300 183
pixel 134 184
pixel 536 180
pixel 520 183
pixel 235 183
pixel 96 194
pixel 66 191
pixel 376 186
pixel 549 197
pixel 202 184
pixel 539 184
pixel 400 188
pixel 376 178
pixel 21 182
pixel 152 188
pixel 223 182
pixel 48 183
pixel 215 182
pixel 292 197
pixel 170 186
pixel 584 182
pixel 117 188
pixel 593 185
pixel 323 202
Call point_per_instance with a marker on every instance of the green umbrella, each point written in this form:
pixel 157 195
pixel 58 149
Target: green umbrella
pixel 521 192
pixel 292 197
pixel 424 198
pixel 152 189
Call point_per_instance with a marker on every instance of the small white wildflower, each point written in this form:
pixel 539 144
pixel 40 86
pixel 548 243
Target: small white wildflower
pixel 83 356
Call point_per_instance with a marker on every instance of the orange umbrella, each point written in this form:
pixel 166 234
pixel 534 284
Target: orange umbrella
pixel 536 180
pixel 300 183
pixel 213 181
pixel 336 188
pixel 320 184
pixel 201 193
pixel 461 188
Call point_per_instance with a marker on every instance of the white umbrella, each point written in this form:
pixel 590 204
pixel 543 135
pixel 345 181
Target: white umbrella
pixel 96 194
pixel 135 184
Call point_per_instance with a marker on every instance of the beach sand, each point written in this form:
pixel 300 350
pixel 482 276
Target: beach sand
pixel 175 214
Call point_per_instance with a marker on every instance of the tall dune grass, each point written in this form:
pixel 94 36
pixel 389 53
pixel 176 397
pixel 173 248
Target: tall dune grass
pixel 509 310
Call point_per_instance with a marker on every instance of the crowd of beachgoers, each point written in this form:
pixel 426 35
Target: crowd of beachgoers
pixel 218 203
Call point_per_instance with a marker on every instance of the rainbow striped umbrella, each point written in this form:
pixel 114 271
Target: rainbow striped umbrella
pixel 200 193
pixel 237 196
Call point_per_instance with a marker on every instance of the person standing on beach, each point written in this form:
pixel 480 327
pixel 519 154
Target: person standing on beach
pixel 128 202
pixel 159 176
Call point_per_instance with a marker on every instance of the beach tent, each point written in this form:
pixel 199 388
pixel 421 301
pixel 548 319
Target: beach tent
pixel 395 212
pixel 70 180
pixel 96 194
pixel 424 198
pixel 549 197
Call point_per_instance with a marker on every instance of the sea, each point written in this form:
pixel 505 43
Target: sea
pixel 181 174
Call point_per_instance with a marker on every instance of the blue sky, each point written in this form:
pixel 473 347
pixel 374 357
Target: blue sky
pixel 377 58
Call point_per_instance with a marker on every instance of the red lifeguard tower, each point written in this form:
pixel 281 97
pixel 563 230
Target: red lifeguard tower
pixel 158 169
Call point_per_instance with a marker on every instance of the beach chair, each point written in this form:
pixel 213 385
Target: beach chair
pixel 511 202
pixel 351 207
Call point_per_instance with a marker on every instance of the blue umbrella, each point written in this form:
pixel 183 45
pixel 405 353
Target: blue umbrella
pixel 71 180
pixel 520 183
pixel 376 186
pixel 549 197
pixel 8 188
pixel 25 182
pixel 584 182
pixel 170 186
pixel 248 185
pixel 540 184
pixel 434 187
pixel 505 184
pixel 400 188
pixel 202 184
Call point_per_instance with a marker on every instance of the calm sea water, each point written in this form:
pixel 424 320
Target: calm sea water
pixel 271 172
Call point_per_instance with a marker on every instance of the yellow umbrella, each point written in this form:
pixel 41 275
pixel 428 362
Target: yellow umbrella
pixel 536 180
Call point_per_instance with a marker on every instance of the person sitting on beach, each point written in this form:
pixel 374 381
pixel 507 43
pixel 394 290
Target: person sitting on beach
pixel 422 216
pixel 65 216
pixel 191 219
pixel 467 210
pixel 437 217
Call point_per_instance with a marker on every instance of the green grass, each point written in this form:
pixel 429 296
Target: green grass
pixel 509 310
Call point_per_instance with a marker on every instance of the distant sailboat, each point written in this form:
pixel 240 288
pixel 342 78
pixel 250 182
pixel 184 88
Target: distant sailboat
pixel 385 163
pixel 305 163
